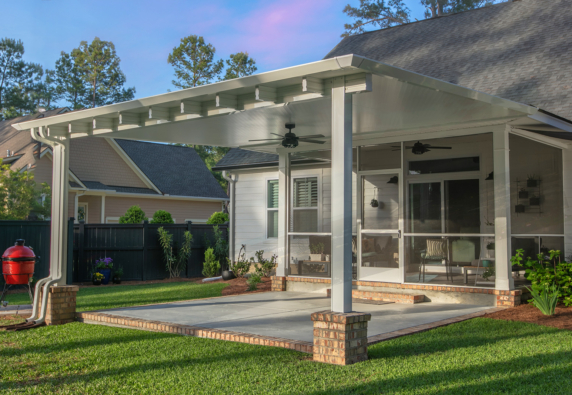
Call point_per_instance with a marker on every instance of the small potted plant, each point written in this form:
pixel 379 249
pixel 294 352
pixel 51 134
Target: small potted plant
pixel 228 274
pixel 519 208
pixel 531 181
pixel 117 274
pixel 97 278
pixel 374 203
pixel 491 249
pixel 523 193
pixel 104 266
pixel 534 200
pixel 317 252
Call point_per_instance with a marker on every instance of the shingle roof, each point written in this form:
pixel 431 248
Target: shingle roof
pixel 519 50
pixel 99 186
pixel 177 171
pixel 237 157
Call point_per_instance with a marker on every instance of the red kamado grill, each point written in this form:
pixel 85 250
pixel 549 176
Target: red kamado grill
pixel 18 266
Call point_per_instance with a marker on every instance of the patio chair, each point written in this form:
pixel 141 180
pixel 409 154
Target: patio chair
pixel 437 250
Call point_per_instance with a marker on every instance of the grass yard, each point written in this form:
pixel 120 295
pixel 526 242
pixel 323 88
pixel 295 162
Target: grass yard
pixel 480 356
pixel 102 297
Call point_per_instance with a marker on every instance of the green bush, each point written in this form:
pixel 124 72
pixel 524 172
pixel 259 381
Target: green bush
pixel 211 266
pixel 134 215
pixel 162 217
pixel 547 271
pixel 253 281
pixel 242 265
pixel 218 218
pixel 547 300
pixel 264 266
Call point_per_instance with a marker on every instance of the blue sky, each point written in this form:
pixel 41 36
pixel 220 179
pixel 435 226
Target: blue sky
pixel 276 33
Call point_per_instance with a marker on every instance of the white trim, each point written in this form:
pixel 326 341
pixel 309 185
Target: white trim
pixel 102 209
pixel 107 219
pixel 539 138
pixel 132 164
pixel 112 193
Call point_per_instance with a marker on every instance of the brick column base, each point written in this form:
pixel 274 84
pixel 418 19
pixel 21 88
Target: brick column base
pixel 508 298
pixel 340 338
pixel 278 284
pixel 61 304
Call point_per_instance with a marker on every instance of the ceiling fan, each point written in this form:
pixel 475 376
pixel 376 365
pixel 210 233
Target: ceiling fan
pixel 419 148
pixel 290 140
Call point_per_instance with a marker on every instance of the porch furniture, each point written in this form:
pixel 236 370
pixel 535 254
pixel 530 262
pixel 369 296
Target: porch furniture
pixel 374 254
pixel 437 250
pixel 311 268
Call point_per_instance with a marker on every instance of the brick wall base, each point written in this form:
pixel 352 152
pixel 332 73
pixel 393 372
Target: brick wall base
pixel 61 304
pixel 278 284
pixel 508 298
pixel 340 338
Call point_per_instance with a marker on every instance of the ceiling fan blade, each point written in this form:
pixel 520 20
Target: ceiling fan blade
pixel 267 140
pixel 276 134
pixel 311 141
pixel 312 136
pixel 430 146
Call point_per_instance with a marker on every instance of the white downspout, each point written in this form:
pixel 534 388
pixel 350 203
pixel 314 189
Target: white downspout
pixel 58 246
pixel 231 210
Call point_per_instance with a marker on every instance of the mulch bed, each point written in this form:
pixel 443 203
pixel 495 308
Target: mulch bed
pixel 528 313
pixel 238 286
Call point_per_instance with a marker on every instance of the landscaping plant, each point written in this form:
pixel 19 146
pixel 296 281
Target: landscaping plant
pixel 211 266
pixel 104 263
pixel 175 262
pixel 162 217
pixel 133 215
pixel 253 281
pixel 264 266
pixel 220 246
pixel 547 300
pixel 317 248
pixel 218 218
pixel 547 271
pixel 242 265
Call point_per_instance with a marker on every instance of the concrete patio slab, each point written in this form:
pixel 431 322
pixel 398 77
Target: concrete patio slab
pixel 286 315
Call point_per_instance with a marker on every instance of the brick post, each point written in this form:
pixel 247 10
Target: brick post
pixel 508 298
pixel 278 284
pixel 61 304
pixel 340 338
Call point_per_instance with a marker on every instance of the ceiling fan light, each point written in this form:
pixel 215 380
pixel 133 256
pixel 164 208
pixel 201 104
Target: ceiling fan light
pixel 393 180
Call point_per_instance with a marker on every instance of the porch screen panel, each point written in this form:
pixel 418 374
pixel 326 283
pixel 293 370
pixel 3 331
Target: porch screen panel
pixel 272 209
pixel 305 205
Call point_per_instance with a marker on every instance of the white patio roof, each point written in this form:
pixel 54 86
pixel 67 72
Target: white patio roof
pixel 230 113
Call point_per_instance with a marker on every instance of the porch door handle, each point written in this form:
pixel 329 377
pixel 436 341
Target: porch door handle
pixel 399 234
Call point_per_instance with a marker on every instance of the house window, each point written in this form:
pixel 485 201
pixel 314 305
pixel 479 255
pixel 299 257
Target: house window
pixel 272 209
pixel 82 212
pixel 305 205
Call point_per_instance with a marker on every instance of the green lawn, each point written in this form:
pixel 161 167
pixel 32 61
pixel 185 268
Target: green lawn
pixel 480 356
pixel 107 297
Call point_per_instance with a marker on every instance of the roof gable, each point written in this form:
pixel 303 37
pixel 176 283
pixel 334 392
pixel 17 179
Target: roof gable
pixel 521 51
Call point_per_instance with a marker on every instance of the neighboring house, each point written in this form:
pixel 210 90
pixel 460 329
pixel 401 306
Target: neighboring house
pixel 441 201
pixel 107 176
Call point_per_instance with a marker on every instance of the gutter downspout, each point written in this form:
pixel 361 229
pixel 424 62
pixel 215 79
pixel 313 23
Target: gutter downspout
pixel 56 261
pixel 231 182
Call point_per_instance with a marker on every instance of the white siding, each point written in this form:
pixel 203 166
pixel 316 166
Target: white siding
pixel 567 163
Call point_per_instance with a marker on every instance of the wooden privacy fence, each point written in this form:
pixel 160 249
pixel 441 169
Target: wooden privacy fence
pixel 134 247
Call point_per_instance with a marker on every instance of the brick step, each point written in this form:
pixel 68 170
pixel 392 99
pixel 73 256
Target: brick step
pixel 375 296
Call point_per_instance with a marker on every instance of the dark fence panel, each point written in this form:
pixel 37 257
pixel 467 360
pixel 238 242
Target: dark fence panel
pixel 137 249
pixel 37 236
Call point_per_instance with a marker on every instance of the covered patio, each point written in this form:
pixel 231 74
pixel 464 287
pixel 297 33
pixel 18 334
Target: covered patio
pixel 351 103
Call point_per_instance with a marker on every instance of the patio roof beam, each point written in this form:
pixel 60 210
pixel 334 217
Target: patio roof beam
pixel 129 119
pixel 157 115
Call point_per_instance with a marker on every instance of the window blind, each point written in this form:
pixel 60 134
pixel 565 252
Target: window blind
pixel 272 201
pixel 305 192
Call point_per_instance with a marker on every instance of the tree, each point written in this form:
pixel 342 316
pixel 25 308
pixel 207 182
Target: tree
pixel 70 85
pixel 19 196
pixel 217 218
pixel 133 215
pixel 99 67
pixel 194 63
pixel 379 13
pixel 162 217
pixel 435 8
pixel 239 65
pixel 18 80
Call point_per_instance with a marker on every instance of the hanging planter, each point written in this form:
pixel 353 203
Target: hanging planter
pixel 374 203
pixel 535 201
pixel 519 208
pixel 531 181
pixel 523 194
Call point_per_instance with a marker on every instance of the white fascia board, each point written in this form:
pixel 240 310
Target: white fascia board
pixel 552 121
pixel 112 193
pixel 127 159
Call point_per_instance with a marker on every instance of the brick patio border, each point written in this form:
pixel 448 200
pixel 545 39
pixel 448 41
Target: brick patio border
pixel 100 318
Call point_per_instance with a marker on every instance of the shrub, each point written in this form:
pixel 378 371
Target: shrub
pixel 264 266
pixel 175 262
pixel 220 246
pixel 547 271
pixel 211 266
pixel 104 263
pixel 218 218
pixel 133 215
pixel 253 281
pixel 118 272
pixel 547 300
pixel 242 265
pixel 162 217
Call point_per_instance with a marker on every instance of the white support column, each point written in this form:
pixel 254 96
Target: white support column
pixel 341 198
pixel 102 209
pixel 59 225
pixel 283 208
pixel 503 266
